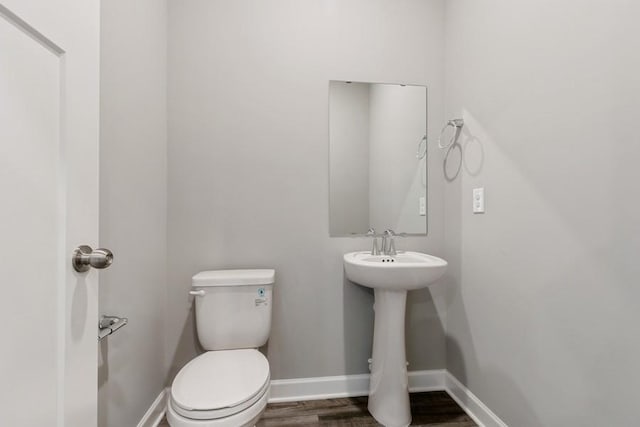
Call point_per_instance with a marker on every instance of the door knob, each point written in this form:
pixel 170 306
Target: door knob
pixel 84 258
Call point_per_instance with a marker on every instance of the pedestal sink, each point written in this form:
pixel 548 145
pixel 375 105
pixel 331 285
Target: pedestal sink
pixel 391 277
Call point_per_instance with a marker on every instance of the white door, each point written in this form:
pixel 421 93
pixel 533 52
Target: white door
pixel 49 62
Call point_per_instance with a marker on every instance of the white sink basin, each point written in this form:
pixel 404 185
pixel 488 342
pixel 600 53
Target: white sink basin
pixel 391 277
pixel 404 271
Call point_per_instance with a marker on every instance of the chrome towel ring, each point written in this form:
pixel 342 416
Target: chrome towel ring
pixel 422 148
pixel 457 126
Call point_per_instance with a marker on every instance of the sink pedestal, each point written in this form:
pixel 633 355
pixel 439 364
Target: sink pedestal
pixel 391 277
pixel 389 388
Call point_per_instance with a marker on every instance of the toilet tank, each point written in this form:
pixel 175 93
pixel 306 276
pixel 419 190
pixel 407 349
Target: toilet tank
pixel 233 308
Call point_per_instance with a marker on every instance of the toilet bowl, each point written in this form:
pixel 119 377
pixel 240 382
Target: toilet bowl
pixel 227 386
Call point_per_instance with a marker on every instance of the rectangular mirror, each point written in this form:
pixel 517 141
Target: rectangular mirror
pixel 377 158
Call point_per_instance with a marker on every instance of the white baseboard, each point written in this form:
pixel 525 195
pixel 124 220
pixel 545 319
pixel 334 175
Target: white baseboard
pixel 478 411
pixel 345 386
pixel 156 411
pixel 318 388
pixel 432 380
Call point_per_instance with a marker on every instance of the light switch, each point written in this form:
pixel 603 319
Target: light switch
pixel 422 210
pixel 478 200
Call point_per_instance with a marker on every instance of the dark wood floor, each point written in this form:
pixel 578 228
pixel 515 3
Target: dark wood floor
pixel 428 410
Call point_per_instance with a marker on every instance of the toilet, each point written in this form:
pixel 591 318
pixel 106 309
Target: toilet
pixel 228 385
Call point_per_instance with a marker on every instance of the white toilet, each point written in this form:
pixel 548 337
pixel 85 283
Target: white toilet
pixel 227 386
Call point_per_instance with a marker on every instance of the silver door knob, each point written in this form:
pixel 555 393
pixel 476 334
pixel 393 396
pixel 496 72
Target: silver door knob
pixel 84 258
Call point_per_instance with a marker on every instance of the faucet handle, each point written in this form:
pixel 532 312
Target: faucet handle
pixel 374 248
pixel 390 246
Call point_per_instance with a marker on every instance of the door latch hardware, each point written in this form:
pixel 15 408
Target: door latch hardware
pixel 84 258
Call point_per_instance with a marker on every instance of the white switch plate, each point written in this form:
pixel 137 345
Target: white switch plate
pixel 478 200
pixel 423 206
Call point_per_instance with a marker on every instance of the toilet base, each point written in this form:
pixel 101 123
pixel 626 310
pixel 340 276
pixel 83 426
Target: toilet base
pixel 247 418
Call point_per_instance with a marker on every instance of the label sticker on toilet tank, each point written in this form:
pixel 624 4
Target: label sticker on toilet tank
pixel 262 297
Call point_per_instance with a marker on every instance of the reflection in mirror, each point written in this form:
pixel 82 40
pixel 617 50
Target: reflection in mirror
pixel 377 158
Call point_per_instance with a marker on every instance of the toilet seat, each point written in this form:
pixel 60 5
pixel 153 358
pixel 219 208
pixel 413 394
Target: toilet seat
pixel 247 418
pixel 219 384
pixel 214 414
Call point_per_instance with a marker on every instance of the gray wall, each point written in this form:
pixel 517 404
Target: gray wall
pixel 248 165
pixel 543 318
pixel 133 206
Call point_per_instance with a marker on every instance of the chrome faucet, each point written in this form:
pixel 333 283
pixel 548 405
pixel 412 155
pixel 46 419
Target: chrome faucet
pixel 388 245
pixel 374 249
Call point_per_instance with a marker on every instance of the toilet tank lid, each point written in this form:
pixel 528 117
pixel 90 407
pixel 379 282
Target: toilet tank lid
pixel 234 277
